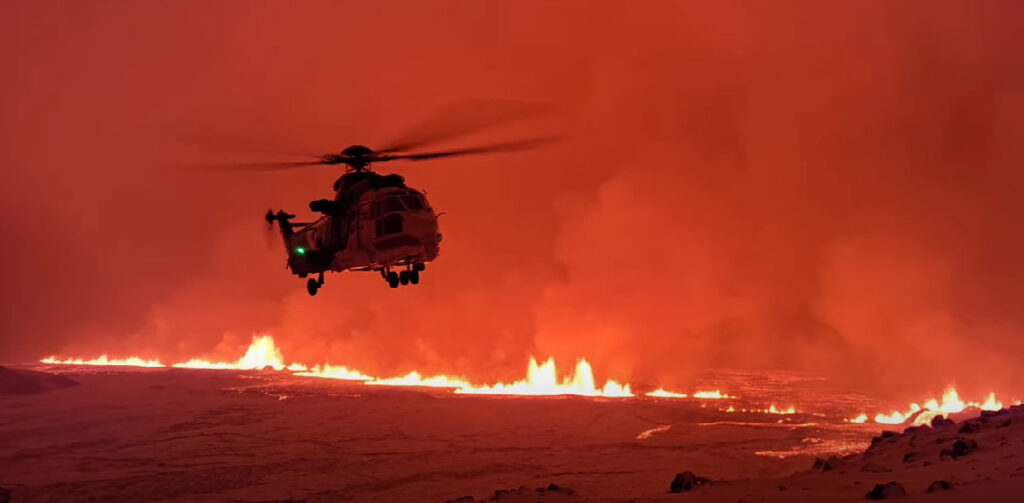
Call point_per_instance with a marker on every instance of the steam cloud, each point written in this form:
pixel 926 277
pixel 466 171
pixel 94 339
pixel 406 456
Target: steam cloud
pixel 825 187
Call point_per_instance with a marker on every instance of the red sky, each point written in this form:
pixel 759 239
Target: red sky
pixel 823 186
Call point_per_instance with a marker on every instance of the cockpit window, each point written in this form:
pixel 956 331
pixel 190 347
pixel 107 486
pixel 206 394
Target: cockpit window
pixel 391 224
pixel 413 202
pixel 390 205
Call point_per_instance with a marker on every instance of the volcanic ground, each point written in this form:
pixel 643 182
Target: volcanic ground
pixel 195 435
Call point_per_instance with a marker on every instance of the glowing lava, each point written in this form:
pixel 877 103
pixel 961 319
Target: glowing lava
pixel 707 395
pixel 328 371
pixel 132 361
pixel 262 353
pixel 711 395
pixel 543 380
pixel 661 393
pixel 923 414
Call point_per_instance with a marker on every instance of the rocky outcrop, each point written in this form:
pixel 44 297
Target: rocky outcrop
pixel 886 491
pixel 686 481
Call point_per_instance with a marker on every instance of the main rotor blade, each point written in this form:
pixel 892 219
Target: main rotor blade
pixel 234 143
pixel 462 119
pixel 482 149
pixel 258 166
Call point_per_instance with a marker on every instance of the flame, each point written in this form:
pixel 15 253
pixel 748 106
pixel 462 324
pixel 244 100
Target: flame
pixel 328 371
pixel 132 361
pixel 712 395
pixel 414 379
pixel 542 380
pixel 773 410
pixel 262 353
pixel 661 393
pixel 950 403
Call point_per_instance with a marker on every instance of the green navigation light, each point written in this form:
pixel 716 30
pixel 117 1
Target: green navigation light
pixel 300 251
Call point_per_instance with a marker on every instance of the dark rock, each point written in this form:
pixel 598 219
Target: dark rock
pixel 686 481
pixel 886 491
pixel 985 414
pixel 872 467
pixel 910 457
pixel 826 465
pixel 926 463
pixel 782 488
pixel 5 495
pixel 886 435
pixel 914 429
pixel 961 448
pixel 831 464
pixel 461 499
pixel 941 422
pixel 552 487
pixel 939 485
pixel 970 427
pixel 1005 424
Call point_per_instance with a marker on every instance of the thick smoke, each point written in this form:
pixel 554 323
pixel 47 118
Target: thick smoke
pixel 832 188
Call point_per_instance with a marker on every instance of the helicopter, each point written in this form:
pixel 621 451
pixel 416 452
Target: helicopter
pixel 374 222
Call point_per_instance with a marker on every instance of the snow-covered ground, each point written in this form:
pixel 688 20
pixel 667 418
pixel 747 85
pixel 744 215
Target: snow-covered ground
pixel 192 435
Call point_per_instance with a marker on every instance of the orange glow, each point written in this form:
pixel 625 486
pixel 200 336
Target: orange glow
pixel 543 380
pixel 661 393
pixel 132 361
pixel 262 353
pixel 774 410
pixel 712 395
pixel 328 371
pixel 414 379
pixel 950 403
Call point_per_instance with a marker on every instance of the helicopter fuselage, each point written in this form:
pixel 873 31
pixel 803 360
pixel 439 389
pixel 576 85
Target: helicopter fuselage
pixel 374 223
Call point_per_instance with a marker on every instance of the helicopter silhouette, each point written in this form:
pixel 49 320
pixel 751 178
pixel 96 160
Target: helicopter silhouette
pixel 374 222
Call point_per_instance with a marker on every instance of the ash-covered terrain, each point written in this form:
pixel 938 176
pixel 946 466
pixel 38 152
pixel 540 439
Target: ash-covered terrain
pixel 192 435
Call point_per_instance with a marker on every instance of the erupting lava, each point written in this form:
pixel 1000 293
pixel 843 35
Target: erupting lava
pixel 103 360
pixel 262 353
pixel 541 380
pixel 923 414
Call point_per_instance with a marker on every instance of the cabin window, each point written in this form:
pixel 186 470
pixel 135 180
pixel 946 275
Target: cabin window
pixel 391 205
pixel 413 202
pixel 390 224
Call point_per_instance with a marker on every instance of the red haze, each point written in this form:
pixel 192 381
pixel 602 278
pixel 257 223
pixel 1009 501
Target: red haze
pixel 824 186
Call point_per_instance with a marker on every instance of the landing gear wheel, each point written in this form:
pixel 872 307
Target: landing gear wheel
pixel 393 279
pixel 418 267
pixel 414 276
pixel 312 286
pixel 403 277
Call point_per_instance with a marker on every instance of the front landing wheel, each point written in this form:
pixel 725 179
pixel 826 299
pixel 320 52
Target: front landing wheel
pixel 312 286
